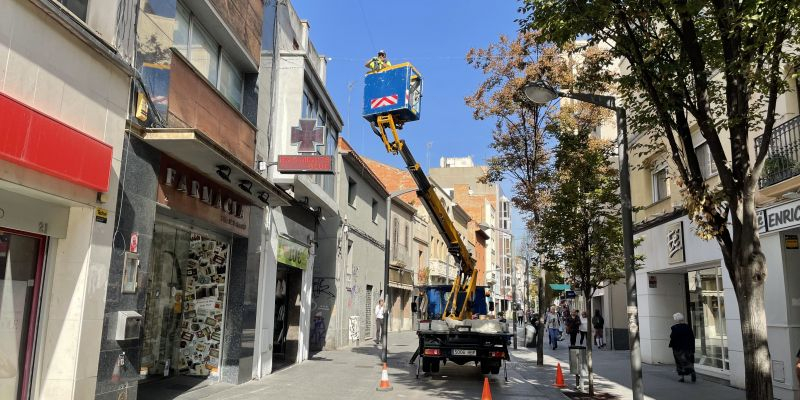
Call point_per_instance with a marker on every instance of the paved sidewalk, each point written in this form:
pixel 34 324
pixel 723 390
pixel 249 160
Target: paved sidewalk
pixel 613 379
pixel 354 373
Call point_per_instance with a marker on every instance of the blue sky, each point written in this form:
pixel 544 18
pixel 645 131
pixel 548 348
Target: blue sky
pixel 434 35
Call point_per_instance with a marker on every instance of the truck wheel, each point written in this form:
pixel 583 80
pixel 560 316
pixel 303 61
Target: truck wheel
pixel 426 365
pixel 434 365
pixel 495 369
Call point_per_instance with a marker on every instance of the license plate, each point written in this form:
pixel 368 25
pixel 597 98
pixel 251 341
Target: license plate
pixel 460 352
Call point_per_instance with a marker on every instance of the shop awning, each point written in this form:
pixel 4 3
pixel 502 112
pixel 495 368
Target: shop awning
pixel 39 142
pixel 559 286
pixel 195 149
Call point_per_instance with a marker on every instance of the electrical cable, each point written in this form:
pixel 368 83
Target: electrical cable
pixel 366 25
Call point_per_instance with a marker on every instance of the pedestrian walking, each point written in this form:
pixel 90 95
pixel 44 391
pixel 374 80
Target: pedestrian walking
pixel 572 325
pixel 597 323
pixel 682 342
pixel 551 323
pixel 379 313
pixel 563 316
pixel 584 326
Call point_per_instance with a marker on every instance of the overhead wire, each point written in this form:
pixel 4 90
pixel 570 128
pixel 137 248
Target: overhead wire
pixel 366 24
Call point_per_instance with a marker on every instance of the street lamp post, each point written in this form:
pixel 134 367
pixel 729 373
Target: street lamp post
pixel 541 93
pixel 485 226
pixel 386 260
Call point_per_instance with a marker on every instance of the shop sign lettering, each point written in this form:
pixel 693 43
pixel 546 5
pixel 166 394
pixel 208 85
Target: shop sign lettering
pixel 675 243
pixel 292 254
pixel 192 193
pixel 779 217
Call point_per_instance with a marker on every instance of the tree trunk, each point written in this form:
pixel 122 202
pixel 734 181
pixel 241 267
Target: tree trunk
pixel 540 331
pixel 758 378
pixel 747 268
pixel 589 339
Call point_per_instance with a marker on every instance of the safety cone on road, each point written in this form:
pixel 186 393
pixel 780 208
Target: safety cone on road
pixel 487 394
pixel 559 377
pixel 384 386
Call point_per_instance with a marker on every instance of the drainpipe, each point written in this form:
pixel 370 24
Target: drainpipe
pixel 276 53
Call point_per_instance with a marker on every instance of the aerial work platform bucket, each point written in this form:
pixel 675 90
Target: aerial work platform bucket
pixel 396 91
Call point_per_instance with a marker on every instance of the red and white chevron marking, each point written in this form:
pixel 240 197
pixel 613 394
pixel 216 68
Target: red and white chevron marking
pixel 383 101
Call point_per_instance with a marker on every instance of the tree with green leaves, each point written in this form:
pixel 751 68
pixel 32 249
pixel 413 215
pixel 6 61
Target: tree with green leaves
pixel 581 232
pixel 717 66
pixel 522 128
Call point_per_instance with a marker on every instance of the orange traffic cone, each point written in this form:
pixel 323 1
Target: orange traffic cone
pixel 559 377
pixel 384 386
pixel 487 394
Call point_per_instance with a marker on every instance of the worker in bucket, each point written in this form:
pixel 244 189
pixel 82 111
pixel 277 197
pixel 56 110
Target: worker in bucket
pixel 378 62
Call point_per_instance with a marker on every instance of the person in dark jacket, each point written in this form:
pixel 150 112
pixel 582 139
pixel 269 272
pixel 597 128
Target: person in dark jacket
pixel 597 323
pixel 682 342
pixel 573 326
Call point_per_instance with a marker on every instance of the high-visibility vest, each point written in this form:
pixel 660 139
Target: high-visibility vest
pixel 376 64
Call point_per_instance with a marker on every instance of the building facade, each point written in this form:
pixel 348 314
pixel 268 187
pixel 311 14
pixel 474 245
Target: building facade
pixel 683 273
pixel 487 205
pixel 65 80
pixel 347 291
pixel 298 121
pixel 186 275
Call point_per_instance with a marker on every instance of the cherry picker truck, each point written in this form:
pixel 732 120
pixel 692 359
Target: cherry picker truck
pixel 447 330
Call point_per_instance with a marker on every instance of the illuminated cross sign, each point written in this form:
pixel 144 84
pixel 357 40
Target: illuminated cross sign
pixel 308 135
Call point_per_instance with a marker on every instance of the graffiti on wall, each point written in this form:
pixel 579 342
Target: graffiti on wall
pixel 317 340
pixel 321 287
pixel 354 328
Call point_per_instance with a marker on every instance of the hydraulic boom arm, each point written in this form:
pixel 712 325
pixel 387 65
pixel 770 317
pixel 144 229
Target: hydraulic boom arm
pixel 465 281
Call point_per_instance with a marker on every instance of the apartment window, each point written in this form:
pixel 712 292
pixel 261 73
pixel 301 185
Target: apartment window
pixel 660 185
pixel 230 82
pixel 351 192
pixel 203 52
pixel 375 211
pixel 77 7
pixel 309 106
pixel 405 237
pixel 192 40
pixel 707 165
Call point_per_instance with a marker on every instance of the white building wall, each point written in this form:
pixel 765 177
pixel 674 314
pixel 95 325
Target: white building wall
pixel 656 306
pixel 46 67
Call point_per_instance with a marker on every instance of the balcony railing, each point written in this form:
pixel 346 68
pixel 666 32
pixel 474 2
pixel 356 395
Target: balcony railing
pixel 783 157
pixel 442 269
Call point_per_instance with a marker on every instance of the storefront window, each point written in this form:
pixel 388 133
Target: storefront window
pixel 20 263
pixel 707 312
pixel 185 303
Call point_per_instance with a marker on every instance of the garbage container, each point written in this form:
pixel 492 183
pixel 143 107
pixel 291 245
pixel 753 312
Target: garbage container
pixel 530 336
pixel 578 363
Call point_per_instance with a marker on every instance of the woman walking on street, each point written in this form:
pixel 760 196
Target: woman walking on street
pixel 573 325
pixel 551 323
pixel 584 326
pixel 682 342
pixel 597 323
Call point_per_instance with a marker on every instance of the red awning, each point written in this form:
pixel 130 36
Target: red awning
pixel 41 143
